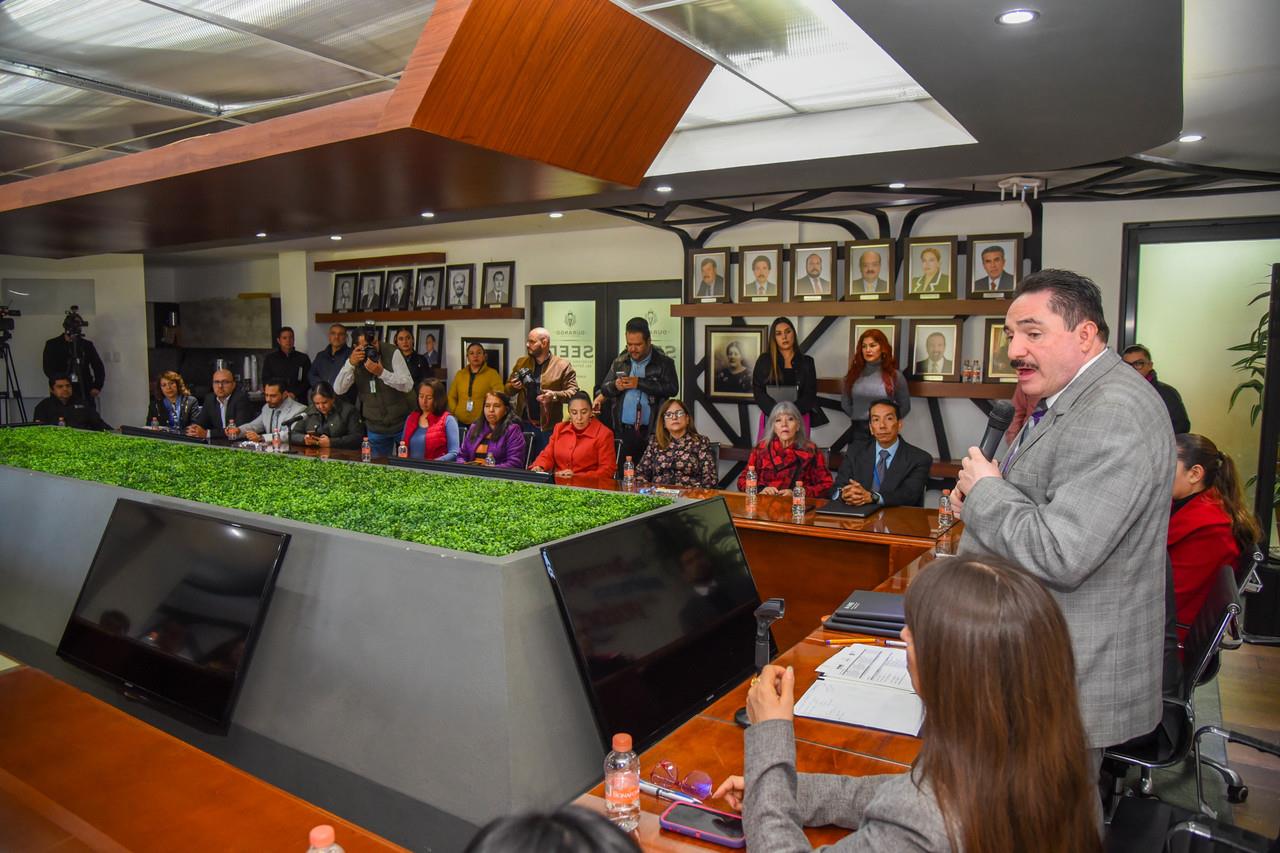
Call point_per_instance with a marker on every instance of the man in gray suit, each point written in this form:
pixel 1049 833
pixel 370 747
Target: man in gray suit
pixel 996 279
pixel 812 283
pixel 1082 499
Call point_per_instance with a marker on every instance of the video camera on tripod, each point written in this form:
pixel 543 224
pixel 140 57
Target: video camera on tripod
pixel 6 322
pixel 73 324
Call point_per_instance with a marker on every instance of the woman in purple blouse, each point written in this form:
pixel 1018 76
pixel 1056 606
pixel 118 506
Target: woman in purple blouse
pixel 497 432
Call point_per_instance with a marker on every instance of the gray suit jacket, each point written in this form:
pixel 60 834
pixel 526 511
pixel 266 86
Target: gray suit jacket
pixel 890 812
pixel 984 284
pixel 1085 508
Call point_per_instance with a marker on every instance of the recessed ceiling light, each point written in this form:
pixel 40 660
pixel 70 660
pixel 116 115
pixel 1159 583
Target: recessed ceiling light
pixel 1018 16
pixel 426 214
pixel 1191 137
pixel 261 234
pixel 556 215
pixel 896 185
pixel 663 188
pixel 335 236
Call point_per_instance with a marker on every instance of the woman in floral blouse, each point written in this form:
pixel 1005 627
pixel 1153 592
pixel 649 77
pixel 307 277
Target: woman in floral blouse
pixel 677 455
pixel 785 454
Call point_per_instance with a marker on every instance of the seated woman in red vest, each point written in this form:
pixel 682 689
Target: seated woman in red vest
pixel 785 454
pixel 580 446
pixel 431 432
pixel 1210 522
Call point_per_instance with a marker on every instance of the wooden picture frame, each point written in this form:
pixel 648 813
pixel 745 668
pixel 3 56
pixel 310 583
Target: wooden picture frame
pixel 922 333
pixel 398 290
pixel 813 285
pixel 981 248
pixel 454 296
pixel 995 354
pixel 931 268
pixel 768 290
pixel 706 276
pixel 427 288
pixel 345 286
pixel 882 288
pixel 499 285
pixel 495 350
pixel 435 330
pixel 369 296
pixel 731 353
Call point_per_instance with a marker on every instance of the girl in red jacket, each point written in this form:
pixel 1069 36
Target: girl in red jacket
pixel 1209 524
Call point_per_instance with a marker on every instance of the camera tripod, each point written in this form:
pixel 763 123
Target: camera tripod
pixel 12 387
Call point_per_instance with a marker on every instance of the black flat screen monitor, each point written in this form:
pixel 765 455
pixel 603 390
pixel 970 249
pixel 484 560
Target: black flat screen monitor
pixel 172 606
pixel 473 470
pixel 660 615
pixel 161 434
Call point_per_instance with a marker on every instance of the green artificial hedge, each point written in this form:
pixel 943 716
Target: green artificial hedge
pixel 472 514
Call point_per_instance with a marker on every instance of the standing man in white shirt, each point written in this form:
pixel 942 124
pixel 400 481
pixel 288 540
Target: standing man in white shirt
pixel 382 380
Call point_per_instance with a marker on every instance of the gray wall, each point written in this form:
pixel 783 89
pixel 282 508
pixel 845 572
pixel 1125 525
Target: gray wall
pixel 443 675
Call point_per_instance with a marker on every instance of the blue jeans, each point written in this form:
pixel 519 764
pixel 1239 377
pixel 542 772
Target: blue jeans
pixel 384 443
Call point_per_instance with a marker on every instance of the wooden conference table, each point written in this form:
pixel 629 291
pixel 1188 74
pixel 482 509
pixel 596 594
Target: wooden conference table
pixel 712 741
pixel 77 774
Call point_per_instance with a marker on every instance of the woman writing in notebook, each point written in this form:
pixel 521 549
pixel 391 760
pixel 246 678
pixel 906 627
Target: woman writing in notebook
pixel 1002 762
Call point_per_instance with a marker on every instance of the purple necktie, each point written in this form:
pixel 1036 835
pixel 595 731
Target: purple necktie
pixel 1036 415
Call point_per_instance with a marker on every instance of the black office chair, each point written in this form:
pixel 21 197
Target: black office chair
pixel 1173 738
pixel 528 446
pixel 1150 826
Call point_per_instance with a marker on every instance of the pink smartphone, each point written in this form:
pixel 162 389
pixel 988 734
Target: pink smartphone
pixel 705 824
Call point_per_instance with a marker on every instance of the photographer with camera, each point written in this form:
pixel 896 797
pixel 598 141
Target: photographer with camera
pixel 73 355
pixel 329 422
pixel 62 407
pixel 541 384
pixel 381 378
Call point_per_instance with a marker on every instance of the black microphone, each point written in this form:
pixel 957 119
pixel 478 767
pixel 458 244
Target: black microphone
pixel 293 420
pixel 997 423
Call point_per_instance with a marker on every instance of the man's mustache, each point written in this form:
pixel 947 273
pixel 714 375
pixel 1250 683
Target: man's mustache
pixel 1020 363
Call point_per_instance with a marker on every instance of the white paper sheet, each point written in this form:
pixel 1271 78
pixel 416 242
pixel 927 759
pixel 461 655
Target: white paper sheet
pixel 860 704
pixel 880 665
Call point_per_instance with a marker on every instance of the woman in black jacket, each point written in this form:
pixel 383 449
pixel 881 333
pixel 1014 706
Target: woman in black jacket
pixel 784 365
pixel 175 408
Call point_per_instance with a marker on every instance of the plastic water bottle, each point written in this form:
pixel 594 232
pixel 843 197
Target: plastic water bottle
pixel 323 840
pixel 275 440
pixel 62 422
pixel 622 784
pixel 797 503
pixel 628 474
pixel 155 423
pixel 366 452
pixel 753 484
pixel 490 460
pixel 402 450
pixel 946 517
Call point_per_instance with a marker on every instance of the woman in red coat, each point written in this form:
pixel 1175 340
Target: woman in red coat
pixel 785 454
pixel 581 446
pixel 1209 524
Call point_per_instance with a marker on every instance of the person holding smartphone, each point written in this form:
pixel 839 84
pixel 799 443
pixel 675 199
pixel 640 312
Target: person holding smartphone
pixel 329 421
pixel 1002 763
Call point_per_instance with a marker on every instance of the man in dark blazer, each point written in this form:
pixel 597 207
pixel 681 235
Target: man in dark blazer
pixel 1082 500
pixel 996 279
pixel 225 404
pixel 888 472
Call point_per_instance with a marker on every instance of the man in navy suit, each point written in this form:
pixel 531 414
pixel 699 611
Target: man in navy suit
pixel 888 472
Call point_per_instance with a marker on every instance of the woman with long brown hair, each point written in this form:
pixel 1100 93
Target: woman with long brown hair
pixel 1002 763
pixel 783 365
pixel 1210 524
pixel 175 408
pixel 873 375
pixel 677 454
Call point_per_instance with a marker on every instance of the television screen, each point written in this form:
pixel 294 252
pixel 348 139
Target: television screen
pixel 473 470
pixel 660 613
pixel 173 604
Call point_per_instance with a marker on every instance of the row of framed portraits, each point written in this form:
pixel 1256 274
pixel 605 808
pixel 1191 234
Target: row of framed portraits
pixel 424 288
pixel 932 347
pixel 861 270
pixel 429 341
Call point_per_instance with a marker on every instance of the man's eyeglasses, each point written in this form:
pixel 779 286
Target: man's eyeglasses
pixel 695 784
pixel 674 414
pixel 1138 363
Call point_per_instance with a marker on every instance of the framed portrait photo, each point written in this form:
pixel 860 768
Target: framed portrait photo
pixel 426 288
pixel 731 357
pixel 707 276
pixel 813 272
pixel 859 328
pixel 995 265
pixel 995 354
pixel 495 352
pixel 370 298
pixel 869 270
pixel 931 268
pixel 934 354
pixel 759 274
pixel 458 279
pixel 429 343
pixel 499 284
pixel 399 289
pixel 344 292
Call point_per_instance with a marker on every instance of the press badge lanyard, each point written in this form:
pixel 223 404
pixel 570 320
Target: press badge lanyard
pixel 471 383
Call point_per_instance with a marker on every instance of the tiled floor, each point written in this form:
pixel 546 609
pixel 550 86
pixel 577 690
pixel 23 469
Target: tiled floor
pixel 1249 682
